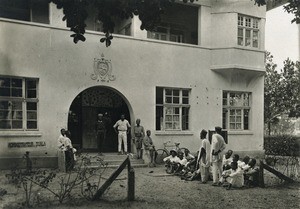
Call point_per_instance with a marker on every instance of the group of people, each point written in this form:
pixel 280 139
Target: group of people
pixel 141 140
pixel 122 127
pixel 227 170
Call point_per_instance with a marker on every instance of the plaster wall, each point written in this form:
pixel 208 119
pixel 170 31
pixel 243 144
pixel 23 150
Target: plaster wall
pixel 64 70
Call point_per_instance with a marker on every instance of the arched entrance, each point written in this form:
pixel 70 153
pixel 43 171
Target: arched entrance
pixel 83 116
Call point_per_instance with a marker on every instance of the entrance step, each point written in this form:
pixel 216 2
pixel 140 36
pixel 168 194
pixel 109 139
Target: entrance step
pixel 113 160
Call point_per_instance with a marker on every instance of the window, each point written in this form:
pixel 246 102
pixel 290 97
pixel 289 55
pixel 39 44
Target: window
pixel 126 30
pixel 172 109
pixel 166 34
pixel 26 10
pixel 18 103
pixel 248 31
pixel 236 110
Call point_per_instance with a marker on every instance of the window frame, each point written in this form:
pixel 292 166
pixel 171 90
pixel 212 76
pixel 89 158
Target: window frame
pixel 26 12
pixel 169 34
pixel 25 100
pixel 244 109
pixel 173 105
pixel 248 24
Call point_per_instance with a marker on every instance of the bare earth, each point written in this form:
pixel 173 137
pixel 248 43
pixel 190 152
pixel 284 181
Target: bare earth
pixel 156 190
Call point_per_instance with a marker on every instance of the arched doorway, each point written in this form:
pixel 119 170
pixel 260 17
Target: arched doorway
pixel 83 116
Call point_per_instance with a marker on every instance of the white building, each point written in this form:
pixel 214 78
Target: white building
pixel 203 67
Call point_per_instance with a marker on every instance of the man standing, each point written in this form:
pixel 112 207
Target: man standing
pixel 149 149
pixel 61 139
pixel 101 133
pixel 217 146
pixel 139 134
pixel 122 129
pixel 204 157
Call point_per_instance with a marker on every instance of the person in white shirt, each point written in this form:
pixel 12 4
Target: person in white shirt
pixel 122 127
pixel 244 163
pixel 61 140
pixel 171 161
pixel 227 159
pixel 251 174
pixel 233 176
pixel 236 158
pixel 181 163
pixel 204 157
pixel 172 158
pixel 217 147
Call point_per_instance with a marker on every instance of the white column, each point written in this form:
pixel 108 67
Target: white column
pixel 204 26
pixel 135 28
pixel 55 16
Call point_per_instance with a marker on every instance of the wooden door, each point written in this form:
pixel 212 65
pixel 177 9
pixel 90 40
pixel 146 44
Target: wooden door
pixel 89 135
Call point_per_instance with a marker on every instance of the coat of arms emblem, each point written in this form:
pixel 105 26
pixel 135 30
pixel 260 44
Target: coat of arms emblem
pixel 102 70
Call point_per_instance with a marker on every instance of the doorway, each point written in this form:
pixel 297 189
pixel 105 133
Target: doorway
pixel 83 116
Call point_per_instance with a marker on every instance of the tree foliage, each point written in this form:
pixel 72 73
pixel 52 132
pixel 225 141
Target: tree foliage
pixel 109 11
pixel 281 91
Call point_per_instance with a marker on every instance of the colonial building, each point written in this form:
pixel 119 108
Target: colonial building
pixel 202 67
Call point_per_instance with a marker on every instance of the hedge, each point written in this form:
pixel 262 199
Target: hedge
pixel 282 145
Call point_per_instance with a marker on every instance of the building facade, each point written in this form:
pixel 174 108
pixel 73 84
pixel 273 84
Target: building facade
pixel 202 67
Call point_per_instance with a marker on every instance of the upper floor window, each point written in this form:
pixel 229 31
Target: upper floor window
pixel 26 10
pixel 179 23
pixel 18 103
pixel 236 110
pixel 166 34
pixel 172 109
pixel 248 31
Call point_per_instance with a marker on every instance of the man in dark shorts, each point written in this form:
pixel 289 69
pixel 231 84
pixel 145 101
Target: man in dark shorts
pixel 101 133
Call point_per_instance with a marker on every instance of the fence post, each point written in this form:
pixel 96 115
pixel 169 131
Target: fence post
pixel 261 174
pixel 131 184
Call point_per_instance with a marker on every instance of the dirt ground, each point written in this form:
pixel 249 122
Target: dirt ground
pixel 155 189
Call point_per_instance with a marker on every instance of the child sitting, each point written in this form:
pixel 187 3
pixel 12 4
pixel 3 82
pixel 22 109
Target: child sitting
pixel 233 176
pixel 244 163
pixel 236 158
pixel 188 156
pixel 181 163
pixel 171 161
pixel 227 159
pixel 251 174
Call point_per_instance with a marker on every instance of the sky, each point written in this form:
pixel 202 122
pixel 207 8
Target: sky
pixel 282 38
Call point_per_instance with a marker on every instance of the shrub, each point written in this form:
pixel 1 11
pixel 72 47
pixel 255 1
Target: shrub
pixel 282 145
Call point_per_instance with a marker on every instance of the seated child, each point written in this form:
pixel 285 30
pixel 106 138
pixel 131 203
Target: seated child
pixel 171 161
pixel 251 174
pixel 244 163
pixel 188 155
pixel 192 164
pixel 233 176
pixel 227 159
pixel 236 158
pixel 181 163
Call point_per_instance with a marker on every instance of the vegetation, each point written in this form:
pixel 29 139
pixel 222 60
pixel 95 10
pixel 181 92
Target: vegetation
pixel 108 11
pixel 283 154
pixel 37 184
pixel 281 91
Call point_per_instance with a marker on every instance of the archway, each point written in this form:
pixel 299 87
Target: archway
pixel 83 116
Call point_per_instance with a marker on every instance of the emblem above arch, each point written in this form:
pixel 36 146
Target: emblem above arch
pixel 102 70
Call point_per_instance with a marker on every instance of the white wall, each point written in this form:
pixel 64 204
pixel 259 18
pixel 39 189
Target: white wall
pixel 64 70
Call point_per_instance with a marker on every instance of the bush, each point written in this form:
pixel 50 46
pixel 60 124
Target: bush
pixel 282 145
